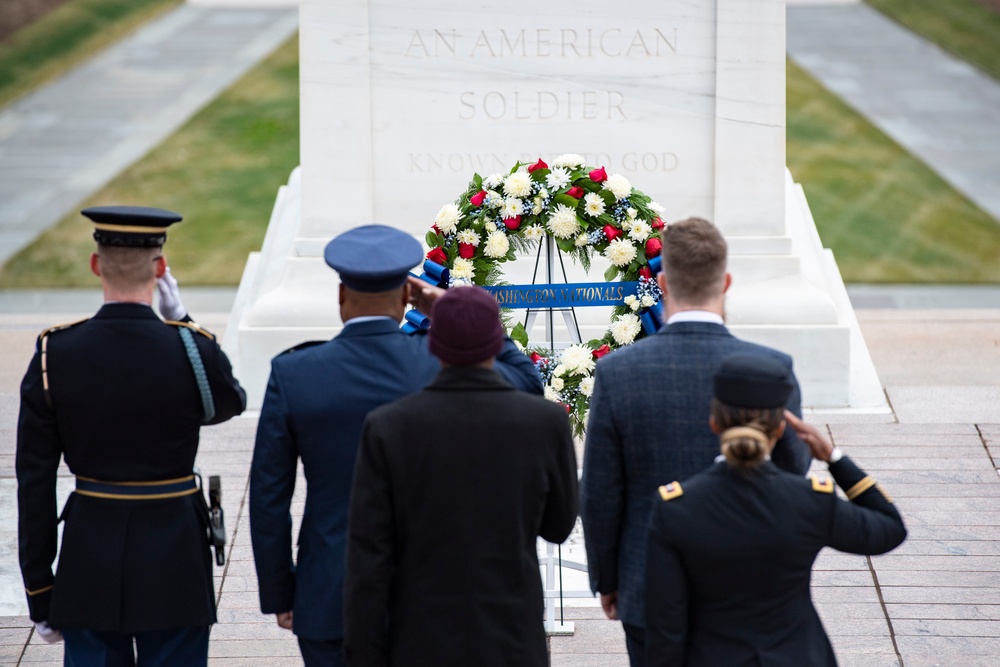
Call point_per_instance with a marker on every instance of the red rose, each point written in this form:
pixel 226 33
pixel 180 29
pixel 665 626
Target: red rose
pixel 566 405
pixel 646 273
pixel 576 192
pixel 612 232
pixel 435 228
pixel 466 250
pixel 538 165
pixel 657 223
pixel 535 357
pixel 601 351
pixel 653 247
pixel 599 175
pixel 512 223
pixel 477 199
pixel 437 255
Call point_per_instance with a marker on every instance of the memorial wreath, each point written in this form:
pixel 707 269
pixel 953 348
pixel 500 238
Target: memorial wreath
pixel 585 211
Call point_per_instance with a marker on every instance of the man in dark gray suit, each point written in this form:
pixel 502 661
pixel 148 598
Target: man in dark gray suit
pixel 649 420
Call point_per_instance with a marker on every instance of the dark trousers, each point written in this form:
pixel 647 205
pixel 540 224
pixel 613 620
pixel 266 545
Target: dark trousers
pixel 635 644
pixel 319 653
pixel 157 648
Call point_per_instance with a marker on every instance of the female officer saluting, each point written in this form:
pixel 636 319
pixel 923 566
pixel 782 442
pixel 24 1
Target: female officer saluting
pixel 731 551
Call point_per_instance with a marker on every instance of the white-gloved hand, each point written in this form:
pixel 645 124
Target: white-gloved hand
pixel 170 298
pixel 48 634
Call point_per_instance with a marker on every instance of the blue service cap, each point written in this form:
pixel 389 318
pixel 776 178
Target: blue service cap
pixel 749 380
pixel 131 226
pixel 373 258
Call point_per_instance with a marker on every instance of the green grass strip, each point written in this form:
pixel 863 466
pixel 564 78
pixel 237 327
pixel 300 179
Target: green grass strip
pixel 964 27
pixel 67 35
pixel 221 171
pixel 886 215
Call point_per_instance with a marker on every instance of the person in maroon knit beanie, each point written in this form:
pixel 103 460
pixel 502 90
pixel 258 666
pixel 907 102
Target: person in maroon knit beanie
pixel 452 488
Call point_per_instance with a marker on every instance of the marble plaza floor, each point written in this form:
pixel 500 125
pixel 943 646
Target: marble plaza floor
pixel 934 601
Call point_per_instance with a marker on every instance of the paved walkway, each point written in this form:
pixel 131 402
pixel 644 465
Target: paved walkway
pixel 934 601
pixel 66 140
pixel 941 109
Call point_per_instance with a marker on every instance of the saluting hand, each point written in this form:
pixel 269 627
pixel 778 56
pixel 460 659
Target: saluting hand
pixel 171 306
pixel 818 444
pixel 423 294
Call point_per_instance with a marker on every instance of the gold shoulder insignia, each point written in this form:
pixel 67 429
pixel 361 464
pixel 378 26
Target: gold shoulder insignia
pixel 821 485
pixel 43 350
pixel 671 491
pixel 60 327
pixel 192 326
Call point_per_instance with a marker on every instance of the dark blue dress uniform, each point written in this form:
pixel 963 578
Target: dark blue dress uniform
pixel 117 398
pixel 316 401
pixel 731 553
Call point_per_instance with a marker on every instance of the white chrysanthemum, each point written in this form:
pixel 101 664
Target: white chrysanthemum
pixel 537 206
pixel 648 301
pixel 640 230
pixel 517 184
pixel 497 245
pixel 512 207
pixel 631 212
pixel 569 160
pixel 533 233
pixel 493 181
pixel 632 302
pixel 593 204
pixel 656 208
pixel 563 223
pixel 447 218
pixel 463 269
pixel 620 252
pixel 578 359
pixel 551 394
pixel 587 386
pixel 557 384
pixel 582 240
pixel 618 185
pixel 468 236
pixel 625 328
pixel 490 227
pixel 494 198
pixel 558 178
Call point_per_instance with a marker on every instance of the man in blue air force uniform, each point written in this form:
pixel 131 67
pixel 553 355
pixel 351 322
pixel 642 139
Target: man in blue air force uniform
pixel 120 397
pixel 317 398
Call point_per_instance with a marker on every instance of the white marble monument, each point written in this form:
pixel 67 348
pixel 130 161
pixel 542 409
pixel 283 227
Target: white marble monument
pixel 402 104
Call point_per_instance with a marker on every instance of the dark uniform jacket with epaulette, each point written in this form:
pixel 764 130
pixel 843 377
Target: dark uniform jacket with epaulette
pixel 316 401
pixel 730 557
pixel 122 405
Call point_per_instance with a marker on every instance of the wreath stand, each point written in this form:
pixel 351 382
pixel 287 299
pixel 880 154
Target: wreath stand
pixel 552 560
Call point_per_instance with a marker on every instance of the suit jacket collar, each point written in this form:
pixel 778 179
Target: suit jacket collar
pixel 370 328
pixel 694 328
pixel 466 378
pixel 123 310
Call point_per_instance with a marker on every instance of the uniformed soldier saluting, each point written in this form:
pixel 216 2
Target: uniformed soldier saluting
pixel 731 549
pixel 121 396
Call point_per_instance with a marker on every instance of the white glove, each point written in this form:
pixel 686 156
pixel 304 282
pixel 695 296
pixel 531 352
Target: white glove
pixel 48 634
pixel 170 298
